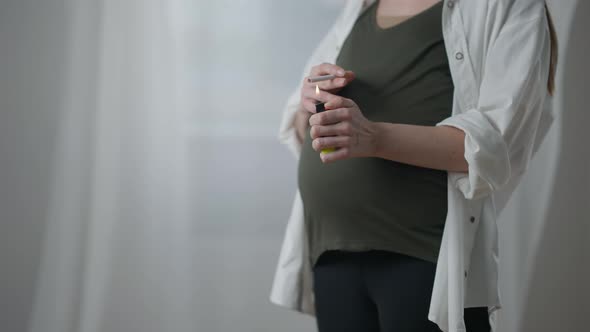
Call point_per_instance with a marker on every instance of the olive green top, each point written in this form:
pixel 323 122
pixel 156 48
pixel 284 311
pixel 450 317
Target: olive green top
pixel 402 76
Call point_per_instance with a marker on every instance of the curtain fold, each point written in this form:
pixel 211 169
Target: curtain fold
pixel 115 255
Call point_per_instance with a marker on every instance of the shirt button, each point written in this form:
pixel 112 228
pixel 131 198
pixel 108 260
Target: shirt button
pixel 450 3
pixel 472 219
pixel 459 56
pixel 465 274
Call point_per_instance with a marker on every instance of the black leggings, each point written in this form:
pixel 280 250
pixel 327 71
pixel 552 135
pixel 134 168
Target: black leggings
pixel 378 290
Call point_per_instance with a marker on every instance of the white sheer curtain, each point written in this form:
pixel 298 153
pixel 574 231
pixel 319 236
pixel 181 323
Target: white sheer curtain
pixel 114 255
pixel 94 160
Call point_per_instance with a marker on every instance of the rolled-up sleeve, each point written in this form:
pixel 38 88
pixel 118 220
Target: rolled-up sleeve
pixel 500 130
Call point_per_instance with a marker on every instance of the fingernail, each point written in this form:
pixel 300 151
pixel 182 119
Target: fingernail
pixel 340 72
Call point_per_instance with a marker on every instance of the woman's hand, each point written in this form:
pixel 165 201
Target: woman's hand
pixel 343 127
pixel 308 95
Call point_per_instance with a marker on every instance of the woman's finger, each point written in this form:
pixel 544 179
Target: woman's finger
pixel 338 102
pixel 327 69
pixel 331 116
pixel 322 143
pixel 338 129
pixel 335 83
pixel 323 96
pixel 308 105
pixel 339 154
pixel 349 75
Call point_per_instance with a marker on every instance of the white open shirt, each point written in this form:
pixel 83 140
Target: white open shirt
pixel 499 53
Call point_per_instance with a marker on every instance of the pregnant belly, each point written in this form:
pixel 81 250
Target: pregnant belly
pixel 371 188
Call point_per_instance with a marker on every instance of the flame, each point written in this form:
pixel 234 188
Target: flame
pixel 317 90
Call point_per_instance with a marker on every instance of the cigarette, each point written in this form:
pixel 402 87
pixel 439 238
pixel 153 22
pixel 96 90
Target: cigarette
pixel 320 78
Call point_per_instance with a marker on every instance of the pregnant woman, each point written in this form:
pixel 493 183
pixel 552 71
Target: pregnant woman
pixel 434 107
